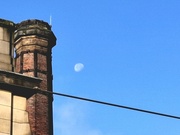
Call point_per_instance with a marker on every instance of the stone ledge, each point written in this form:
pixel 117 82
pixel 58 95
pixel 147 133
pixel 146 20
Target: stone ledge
pixel 17 83
pixel 19 79
pixel 7 24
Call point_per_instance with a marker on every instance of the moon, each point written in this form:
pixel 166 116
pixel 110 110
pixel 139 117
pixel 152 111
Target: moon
pixel 78 67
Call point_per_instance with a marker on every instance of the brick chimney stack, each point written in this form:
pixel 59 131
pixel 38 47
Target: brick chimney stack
pixel 33 41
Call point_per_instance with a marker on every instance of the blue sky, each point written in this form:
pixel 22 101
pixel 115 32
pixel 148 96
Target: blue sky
pixel 130 51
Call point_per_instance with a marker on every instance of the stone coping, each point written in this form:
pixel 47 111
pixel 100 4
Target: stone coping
pixel 33 22
pixel 19 79
pixel 35 27
pixel 7 24
pixel 18 84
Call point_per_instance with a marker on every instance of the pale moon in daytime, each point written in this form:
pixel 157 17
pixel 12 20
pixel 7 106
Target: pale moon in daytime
pixel 78 67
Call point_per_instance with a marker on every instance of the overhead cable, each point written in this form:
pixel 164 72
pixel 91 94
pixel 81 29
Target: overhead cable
pixel 109 104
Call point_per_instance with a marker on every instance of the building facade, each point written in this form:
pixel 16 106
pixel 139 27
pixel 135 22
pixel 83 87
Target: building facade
pixel 25 68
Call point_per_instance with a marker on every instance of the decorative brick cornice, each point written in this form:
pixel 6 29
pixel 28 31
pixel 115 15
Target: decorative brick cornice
pixel 35 27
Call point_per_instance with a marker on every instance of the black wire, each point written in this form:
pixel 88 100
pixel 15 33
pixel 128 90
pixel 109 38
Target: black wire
pixel 110 104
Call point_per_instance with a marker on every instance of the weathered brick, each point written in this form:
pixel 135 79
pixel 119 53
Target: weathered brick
pixel 43 84
pixel 28 61
pixel 41 62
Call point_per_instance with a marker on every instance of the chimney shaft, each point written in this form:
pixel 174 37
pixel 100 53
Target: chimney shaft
pixel 33 44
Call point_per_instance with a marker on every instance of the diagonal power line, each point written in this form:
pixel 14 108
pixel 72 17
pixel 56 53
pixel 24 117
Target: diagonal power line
pixel 108 104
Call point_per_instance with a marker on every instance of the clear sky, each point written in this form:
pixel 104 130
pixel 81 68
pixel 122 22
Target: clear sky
pixel 130 50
